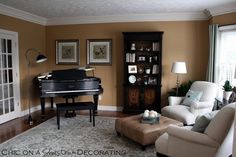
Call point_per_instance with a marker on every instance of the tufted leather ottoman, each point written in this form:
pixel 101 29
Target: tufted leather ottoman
pixel 144 134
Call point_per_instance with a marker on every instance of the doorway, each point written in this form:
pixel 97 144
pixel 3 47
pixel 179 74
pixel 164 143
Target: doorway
pixel 9 76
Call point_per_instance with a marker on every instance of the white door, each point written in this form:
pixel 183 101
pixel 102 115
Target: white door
pixel 9 76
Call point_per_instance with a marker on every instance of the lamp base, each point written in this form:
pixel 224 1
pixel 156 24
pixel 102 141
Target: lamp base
pixel 30 120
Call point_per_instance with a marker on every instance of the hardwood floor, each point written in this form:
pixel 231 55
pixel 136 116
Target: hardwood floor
pixel 19 125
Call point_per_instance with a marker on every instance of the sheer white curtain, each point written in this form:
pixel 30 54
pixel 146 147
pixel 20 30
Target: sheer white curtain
pixel 225 63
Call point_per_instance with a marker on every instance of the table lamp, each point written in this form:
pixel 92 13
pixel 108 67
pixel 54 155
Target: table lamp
pixel 178 68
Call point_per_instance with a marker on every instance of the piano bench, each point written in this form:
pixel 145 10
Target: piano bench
pixel 76 106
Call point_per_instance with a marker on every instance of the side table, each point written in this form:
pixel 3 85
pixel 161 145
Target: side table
pixel 221 103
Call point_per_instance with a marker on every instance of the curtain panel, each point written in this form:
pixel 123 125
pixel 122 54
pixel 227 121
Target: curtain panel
pixel 213 43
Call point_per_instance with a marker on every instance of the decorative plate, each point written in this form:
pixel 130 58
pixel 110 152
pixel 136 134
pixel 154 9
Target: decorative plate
pixel 132 79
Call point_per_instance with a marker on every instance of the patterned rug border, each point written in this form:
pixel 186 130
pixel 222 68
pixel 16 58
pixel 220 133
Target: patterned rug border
pixel 25 132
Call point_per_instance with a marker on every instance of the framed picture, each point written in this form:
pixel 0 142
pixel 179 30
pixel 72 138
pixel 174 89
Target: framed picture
pixel 132 69
pixel 99 51
pixel 67 51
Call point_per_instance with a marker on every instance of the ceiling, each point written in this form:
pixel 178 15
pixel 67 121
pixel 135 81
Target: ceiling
pixel 96 11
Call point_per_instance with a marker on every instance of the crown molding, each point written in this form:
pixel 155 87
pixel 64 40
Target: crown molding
pixel 184 16
pixel 129 18
pixel 19 14
pixel 225 9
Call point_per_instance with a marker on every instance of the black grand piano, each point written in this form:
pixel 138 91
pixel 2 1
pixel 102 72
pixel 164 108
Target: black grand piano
pixel 69 83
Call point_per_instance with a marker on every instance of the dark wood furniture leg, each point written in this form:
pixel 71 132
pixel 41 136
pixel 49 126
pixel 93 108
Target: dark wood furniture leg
pixel 118 134
pixel 51 99
pixel 58 119
pixel 42 101
pixel 93 115
pixel 90 115
pixel 95 100
pixel 143 148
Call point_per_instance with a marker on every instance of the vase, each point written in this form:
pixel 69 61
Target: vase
pixel 227 94
pixel 133 47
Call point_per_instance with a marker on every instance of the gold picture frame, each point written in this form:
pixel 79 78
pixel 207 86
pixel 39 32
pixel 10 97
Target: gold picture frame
pixel 67 51
pixel 99 51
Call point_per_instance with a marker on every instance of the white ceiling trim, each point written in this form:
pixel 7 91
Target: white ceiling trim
pixel 129 18
pixel 185 16
pixel 9 11
pixel 223 10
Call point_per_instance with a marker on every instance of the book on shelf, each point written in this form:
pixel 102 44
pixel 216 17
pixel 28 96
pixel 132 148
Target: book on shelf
pixel 130 57
pixel 155 69
pixel 155 46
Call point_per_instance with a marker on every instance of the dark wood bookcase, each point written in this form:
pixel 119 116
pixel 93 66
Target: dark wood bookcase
pixel 142 71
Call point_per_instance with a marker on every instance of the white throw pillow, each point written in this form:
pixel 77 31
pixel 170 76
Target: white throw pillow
pixel 192 96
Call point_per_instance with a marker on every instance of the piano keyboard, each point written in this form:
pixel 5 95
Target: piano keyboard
pixel 72 91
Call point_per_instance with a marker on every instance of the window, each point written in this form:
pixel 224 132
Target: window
pixel 226 55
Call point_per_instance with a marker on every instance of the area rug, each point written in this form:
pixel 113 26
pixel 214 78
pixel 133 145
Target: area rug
pixel 76 138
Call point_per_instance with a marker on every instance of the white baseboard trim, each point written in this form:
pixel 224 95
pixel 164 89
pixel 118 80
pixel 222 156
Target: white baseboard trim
pixel 110 108
pixel 33 109
pixel 100 107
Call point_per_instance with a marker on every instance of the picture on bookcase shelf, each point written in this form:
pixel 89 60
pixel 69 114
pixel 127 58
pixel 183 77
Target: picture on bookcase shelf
pixel 152 81
pixel 132 69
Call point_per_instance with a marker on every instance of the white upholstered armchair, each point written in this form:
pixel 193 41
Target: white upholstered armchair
pixel 188 113
pixel 215 141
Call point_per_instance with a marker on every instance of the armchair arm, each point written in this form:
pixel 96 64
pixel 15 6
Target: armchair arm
pixel 175 100
pixel 191 136
pixel 201 107
pixel 202 104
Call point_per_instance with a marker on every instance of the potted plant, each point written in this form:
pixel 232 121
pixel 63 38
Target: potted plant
pixel 227 90
pixel 183 89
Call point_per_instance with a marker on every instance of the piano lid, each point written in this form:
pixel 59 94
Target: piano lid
pixel 68 74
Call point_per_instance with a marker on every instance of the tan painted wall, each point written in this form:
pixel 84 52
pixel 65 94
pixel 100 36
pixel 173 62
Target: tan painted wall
pixel 224 19
pixel 182 41
pixel 30 36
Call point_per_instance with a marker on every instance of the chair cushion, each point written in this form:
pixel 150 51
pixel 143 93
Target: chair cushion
pixel 192 96
pixel 202 122
pixel 180 113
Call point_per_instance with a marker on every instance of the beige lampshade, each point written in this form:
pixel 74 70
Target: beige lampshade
pixel 179 68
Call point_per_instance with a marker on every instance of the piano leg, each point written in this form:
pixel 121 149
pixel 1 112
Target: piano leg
pixel 42 100
pixel 51 102
pixel 95 99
